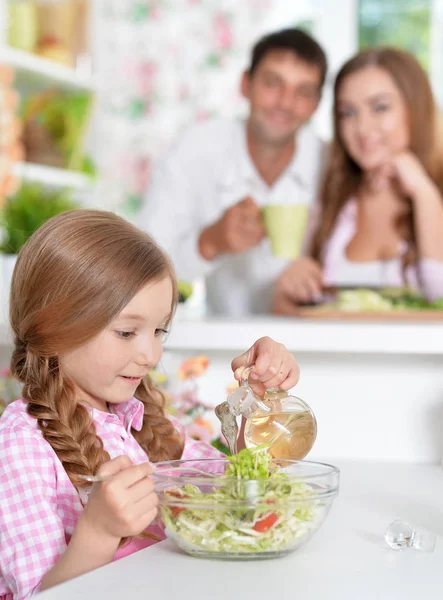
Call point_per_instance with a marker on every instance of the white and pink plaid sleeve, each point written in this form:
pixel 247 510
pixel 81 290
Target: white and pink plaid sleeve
pixel 194 449
pixel 32 535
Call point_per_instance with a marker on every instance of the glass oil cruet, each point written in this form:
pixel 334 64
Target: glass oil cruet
pixel 283 421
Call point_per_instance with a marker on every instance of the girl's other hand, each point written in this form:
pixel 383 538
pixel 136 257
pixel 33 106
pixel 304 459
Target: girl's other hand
pixel 125 504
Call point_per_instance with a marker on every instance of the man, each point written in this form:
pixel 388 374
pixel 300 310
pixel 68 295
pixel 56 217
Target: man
pixel 204 203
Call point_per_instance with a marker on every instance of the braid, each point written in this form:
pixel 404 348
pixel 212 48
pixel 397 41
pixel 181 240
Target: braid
pixel 158 436
pixel 65 424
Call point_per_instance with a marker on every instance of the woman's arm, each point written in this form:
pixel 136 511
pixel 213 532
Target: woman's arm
pixel 428 222
pixel 430 274
pixel 427 203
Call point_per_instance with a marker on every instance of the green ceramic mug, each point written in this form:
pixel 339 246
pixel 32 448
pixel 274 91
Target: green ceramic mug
pixel 22 25
pixel 285 226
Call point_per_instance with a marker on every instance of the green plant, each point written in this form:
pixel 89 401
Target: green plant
pixel 30 207
pixel 184 291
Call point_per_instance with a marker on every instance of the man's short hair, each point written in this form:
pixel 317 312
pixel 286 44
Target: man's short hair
pixel 295 40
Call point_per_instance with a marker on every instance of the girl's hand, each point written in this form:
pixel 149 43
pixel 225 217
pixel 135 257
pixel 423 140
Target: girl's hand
pixel 125 504
pixel 274 366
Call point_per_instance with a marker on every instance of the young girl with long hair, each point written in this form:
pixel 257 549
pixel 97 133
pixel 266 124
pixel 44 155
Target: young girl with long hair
pixel 91 299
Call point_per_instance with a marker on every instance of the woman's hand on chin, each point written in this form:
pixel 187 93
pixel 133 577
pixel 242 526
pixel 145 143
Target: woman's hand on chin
pixel 405 170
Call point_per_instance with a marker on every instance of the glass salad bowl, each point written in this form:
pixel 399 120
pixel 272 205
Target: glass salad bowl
pixel 244 507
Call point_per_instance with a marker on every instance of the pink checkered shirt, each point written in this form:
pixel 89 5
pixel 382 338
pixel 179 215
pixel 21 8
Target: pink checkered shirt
pixel 39 506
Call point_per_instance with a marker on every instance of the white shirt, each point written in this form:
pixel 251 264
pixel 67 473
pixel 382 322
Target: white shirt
pixel 205 173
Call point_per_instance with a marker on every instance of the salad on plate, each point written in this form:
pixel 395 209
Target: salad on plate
pixel 384 300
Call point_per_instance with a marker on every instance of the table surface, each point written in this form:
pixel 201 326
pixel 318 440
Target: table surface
pixel 347 559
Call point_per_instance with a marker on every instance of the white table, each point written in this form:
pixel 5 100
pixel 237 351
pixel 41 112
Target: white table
pixel 346 560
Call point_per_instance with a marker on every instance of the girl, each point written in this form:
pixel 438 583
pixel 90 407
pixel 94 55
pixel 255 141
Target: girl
pixel 380 219
pixel 91 299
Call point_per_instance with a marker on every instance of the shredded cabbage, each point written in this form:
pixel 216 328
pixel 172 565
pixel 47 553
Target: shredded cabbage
pixel 270 515
pixel 360 300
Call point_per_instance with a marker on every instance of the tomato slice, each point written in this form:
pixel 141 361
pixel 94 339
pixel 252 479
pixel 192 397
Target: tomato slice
pixel 175 494
pixel 266 523
pixel 176 510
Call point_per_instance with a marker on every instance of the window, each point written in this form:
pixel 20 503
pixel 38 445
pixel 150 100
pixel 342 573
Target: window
pixel 404 24
pixel 412 25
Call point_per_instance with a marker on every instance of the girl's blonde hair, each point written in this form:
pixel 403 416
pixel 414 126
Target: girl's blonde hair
pixel 343 177
pixel 72 278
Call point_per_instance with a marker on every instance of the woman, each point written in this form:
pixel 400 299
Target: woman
pixel 380 216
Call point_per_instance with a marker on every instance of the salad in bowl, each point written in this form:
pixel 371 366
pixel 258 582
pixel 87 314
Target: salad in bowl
pixel 248 505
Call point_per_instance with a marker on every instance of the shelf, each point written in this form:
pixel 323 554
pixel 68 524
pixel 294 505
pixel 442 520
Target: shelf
pixel 52 177
pixel 29 67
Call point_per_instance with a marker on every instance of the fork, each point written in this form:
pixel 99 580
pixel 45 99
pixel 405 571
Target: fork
pixel 101 478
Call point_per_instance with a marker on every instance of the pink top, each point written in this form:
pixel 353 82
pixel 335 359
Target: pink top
pixel 339 270
pixel 39 506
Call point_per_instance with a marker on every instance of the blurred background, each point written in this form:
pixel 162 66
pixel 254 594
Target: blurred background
pixel 92 94
pixel 105 85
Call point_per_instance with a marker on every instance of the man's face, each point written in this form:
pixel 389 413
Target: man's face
pixel 284 92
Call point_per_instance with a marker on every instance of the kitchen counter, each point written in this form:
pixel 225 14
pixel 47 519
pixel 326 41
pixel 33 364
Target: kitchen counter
pixel 347 558
pixel 299 335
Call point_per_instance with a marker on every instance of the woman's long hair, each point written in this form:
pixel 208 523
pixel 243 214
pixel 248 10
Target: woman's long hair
pixel 72 278
pixel 343 177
